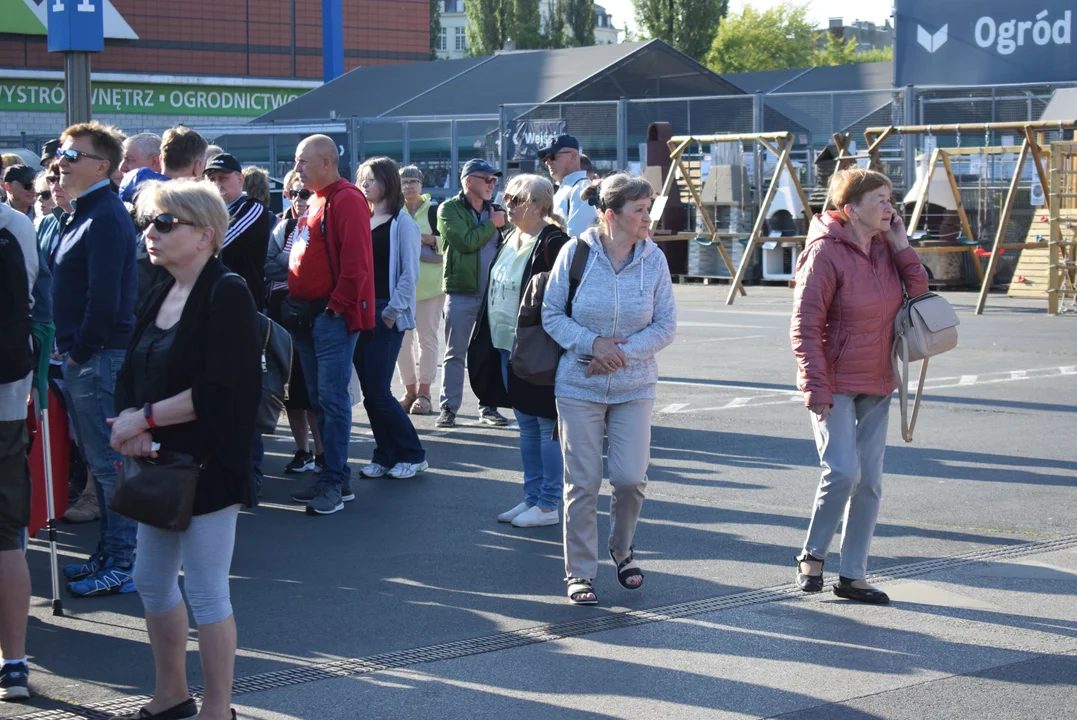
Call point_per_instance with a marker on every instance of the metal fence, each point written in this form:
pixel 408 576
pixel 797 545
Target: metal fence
pixel 613 133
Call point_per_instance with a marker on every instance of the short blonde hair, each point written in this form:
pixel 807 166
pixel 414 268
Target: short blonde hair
pixel 195 201
pixel 538 190
pixel 256 184
pixel 849 186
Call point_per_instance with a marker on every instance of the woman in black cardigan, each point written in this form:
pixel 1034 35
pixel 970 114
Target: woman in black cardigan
pixel 191 381
pixel 531 247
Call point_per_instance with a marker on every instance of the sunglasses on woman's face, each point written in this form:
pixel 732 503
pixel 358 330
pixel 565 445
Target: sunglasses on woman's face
pixel 514 201
pixel 303 194
pixel 44 194
pixel 167 222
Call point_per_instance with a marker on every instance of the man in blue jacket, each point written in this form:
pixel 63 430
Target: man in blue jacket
pixel 93 293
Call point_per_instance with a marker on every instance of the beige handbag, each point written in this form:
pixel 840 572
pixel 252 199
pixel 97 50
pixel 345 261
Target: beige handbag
pixel 925 326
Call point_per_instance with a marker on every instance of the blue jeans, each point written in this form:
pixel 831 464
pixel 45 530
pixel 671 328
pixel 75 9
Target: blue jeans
pixel 394 436
pixel 544 466
pixel 325 354
pixel 90 388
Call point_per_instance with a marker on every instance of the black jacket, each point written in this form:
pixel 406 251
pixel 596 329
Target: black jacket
pixel 484 360
pixel 217 354
pixel 249 226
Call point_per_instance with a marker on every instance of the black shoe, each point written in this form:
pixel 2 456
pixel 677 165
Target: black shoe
pixel 14 682
pixel 302 462
pixel 446 419
pixel 319 462
pixel 186 709
pixel 843 588
pixel 810 583
pixel 493 418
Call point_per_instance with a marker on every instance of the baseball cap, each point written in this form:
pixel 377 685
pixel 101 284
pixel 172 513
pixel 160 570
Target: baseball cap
pixel 478 165
pixel 48 151
pixel 23 174
pixel 223 162
pixel 561 142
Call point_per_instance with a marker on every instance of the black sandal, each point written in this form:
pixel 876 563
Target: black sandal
pixel 578 588
pixel 186 709
pixel 810 583
pixel 623 575
pixel 843 588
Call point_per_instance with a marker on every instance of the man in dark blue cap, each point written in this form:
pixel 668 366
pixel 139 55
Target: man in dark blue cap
pixel 562 159
pixel 470 228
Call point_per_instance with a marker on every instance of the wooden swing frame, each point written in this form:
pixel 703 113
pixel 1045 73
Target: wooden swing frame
pixel 1030 146
pixel 779 144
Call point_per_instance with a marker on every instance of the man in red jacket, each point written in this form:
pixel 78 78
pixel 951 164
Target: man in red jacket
pixel 333 271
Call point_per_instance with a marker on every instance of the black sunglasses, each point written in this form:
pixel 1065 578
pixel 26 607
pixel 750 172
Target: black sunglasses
pixel 44 194
pixel 167 222
pixel 303 194
pixel 514 201
pixel 73 156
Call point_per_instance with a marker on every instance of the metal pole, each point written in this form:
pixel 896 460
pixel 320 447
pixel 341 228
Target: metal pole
pixel 77 105
pixel 622 134
pixel 454 159
pixel 406 154
pixel 503 139
pixel 272 154
pixel 757 126
pixel 908 143
pixel 353 145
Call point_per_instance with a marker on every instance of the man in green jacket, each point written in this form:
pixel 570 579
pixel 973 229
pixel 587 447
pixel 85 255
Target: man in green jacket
pixel 470 233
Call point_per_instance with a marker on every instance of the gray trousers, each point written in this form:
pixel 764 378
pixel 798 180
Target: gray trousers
pixel 461 311
pixel 582 427
pixel 851 444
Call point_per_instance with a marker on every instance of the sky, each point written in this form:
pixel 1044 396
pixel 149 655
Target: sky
pixel 820 10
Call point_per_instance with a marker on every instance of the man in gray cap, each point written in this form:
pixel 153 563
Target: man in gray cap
pixel 470 228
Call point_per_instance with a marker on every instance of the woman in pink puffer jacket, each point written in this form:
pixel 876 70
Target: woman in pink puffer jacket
pixel 848 292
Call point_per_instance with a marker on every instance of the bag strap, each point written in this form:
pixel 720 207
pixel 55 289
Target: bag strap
pixel 908 424
pixel 575 272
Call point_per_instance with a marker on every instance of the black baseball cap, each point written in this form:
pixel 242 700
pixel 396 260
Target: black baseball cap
pixel 223 162
pixel 22 174
pixel 561 142
pixel 48 151
pixel 478 165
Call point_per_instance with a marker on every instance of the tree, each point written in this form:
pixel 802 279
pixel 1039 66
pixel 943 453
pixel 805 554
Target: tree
pixel 839 52
pixel 777 39
pixel 527 33
pixel 488 21
pixel 435 28
pixel 688 25
pixel 555 25
pixel 579 23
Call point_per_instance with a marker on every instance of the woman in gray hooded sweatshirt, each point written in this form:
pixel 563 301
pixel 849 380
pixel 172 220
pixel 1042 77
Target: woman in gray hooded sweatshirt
pixel 622 314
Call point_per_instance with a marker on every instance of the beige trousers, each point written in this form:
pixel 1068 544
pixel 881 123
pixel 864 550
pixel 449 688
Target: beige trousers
pixel 582 427
pixel 427 322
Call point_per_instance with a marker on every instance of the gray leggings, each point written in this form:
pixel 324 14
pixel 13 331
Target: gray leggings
pixel 204 551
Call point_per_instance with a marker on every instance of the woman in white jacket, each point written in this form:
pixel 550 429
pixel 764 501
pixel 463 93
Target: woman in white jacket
pixel 622 314
pixel 397 243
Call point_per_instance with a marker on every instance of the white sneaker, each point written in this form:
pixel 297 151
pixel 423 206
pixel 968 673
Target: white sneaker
pixel 512 514
pixel 535 517
pixel 403 471
pixel 373 470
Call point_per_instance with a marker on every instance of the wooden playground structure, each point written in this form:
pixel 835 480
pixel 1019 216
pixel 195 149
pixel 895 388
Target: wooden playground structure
pixel 1055 168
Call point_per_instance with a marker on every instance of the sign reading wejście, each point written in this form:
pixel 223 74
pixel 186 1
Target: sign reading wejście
pixel 76 25
pixel 983 42
pixel 148 98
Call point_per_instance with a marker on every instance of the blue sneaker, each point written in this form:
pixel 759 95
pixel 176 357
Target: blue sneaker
pixel 81 570
pixel 14 682
pixel 110 579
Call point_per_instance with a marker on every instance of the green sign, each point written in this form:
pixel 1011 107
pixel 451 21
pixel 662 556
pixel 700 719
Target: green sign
pixel 236 101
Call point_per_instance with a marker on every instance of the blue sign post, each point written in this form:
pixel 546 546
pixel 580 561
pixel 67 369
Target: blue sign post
pixel 332 39
pixel 76 28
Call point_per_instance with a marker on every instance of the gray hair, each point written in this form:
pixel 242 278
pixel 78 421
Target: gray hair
pixel 410 172
pixel 614 192
pixel 195 201
pixel 256 184
pixel 146 143
pixel 212 151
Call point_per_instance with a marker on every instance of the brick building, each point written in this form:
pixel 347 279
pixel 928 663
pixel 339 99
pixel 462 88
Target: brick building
pixel 196 61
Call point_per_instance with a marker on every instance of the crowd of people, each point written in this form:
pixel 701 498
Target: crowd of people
pixel 153 257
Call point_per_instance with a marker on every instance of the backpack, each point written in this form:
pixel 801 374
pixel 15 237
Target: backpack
pixel 535 354
pixel 15 322
pixel 276 367
pixel 925 326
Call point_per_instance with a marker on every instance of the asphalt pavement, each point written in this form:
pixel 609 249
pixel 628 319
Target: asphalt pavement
pixel 414 602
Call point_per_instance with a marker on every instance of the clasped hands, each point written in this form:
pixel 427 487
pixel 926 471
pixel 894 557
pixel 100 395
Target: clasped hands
pixel 131 434
pixel 606 356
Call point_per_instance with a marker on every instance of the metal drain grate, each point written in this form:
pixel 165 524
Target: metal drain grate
pixel 544 633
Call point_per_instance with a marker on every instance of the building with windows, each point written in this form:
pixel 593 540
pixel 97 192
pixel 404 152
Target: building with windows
pixel 867 35
pixel 452 43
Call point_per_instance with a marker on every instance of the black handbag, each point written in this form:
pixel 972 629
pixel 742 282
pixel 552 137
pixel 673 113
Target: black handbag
pixel 157 491
pixel 298 315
